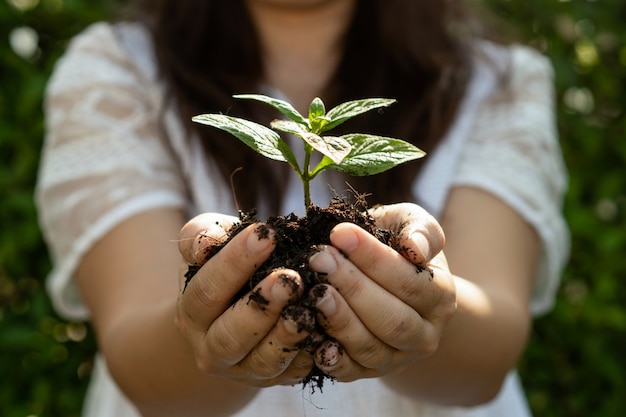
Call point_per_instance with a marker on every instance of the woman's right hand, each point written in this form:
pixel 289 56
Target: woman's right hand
pixel 255 340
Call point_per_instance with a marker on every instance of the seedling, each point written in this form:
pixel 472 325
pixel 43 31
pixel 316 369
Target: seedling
pixel 357 154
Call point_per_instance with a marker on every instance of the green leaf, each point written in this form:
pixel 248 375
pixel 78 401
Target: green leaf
pixel 316 109
pixel 318 124
pixel 336 148
pixel 350 109
pixel 287 126
pixel 258 137
pixel 282 106
pixel 317 116
pixel 375 154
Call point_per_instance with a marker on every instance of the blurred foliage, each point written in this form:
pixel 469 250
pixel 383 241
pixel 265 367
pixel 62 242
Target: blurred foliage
pixel 45 362
pixel 575 365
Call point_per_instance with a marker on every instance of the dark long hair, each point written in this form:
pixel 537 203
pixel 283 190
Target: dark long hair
pixel 417 52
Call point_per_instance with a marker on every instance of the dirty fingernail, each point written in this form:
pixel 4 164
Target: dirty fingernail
pixel 284 288
pixel 329 359
pixel 291 326
pixel 297 320
pixel 200 248
pixel 328 354
pixel 323 262
pixel 260 239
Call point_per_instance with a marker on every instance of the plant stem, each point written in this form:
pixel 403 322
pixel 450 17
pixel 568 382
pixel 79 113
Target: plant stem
pixel 306 179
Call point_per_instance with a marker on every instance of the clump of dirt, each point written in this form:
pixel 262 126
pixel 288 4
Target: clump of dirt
pixel 297 238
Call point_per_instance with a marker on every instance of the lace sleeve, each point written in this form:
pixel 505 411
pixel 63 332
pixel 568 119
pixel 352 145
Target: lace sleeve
pixel 514 153
pixel 104 157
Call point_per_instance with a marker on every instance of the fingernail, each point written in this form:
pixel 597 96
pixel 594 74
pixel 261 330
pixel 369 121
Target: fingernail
pixel 205 242
pixel 291 326
pixel 200 247
pixel 297 320
pixel 327 304
pixel 284 288
pixel 323 261
pixel 260 239
pixel 329 359
pixel 328 354
pixel 345 239
pixel 422 245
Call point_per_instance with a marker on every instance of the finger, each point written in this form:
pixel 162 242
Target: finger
pixel 274 355
pixel 344 325
pixel 333 360
pixel 375 259
pixel 418 286
pixel 297 371
pixel 238 331
pixel 215 284
pixel 300 367
pixel 389 319
pixel 201 233
pixel 419 237
pixel 443 298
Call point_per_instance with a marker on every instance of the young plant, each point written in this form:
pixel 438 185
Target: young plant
pixel 356 154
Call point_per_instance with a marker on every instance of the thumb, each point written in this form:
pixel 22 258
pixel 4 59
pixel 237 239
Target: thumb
pixel 203 232
pixel 419 235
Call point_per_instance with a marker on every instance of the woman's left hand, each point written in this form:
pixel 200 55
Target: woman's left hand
pixel 384 307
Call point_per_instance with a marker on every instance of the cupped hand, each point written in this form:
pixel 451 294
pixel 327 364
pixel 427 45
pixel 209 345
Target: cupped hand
pixel 255 340
pixel 384 308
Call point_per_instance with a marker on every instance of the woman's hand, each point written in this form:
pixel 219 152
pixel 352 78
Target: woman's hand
pixel 255 340
pixel 385 308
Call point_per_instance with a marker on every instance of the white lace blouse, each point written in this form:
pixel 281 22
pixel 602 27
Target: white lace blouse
pixel 114 148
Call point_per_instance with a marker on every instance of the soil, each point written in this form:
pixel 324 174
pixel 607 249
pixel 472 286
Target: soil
pixel 296 239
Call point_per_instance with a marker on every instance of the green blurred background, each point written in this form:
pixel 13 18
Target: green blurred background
pixel 576 362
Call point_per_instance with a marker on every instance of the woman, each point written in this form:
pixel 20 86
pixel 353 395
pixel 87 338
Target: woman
pixel 123 169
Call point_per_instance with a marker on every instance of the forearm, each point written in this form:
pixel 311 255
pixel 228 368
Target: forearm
pixel 153 364
pixel 479 346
